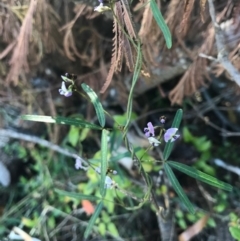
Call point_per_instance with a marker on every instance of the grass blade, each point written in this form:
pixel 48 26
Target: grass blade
pixel 61 120
pixel 177 187
pixel 104 164
pixel 96 103
pixel 161 23
pixel 136 73
pixel 201 176
pixel 93 219
pixel 78 196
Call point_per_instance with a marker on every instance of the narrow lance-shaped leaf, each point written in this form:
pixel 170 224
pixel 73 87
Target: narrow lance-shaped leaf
pixel 136 73
pixel 192 172
pixel 61 120
pixel 161 23
pixel 96 103
pixel 177 118
pixel 93 219
pixel 78 196
pixel 104 151
pixel 177 187
pixel 176 123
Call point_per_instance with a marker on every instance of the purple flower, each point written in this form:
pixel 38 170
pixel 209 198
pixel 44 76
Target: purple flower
pixel 78 164
pixel 108 182
pixel 170 135
pixel 162 119
pixel 149 130
pixel 64 91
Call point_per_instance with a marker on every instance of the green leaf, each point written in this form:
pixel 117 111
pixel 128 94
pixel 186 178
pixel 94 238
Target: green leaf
pixel 167 150
pixel 102 228
pixel 235 232
pixel 93 220
pixel 96 103
pixel 119 156
pixel 104 152
pixel 61 120
pixel 77 196
pixel 177 118
pixel 161 23
pixel 136 73
pixel 201 176
pixel 177 187
pixel 202 144
pixel 112 229
pixel 73 135
pixel 176 123
pixel 187 135
pixel 67 80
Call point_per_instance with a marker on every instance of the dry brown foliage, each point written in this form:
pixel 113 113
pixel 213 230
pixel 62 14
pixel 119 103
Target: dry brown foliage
pixel 197 73
pixel 188 7
pixel 203 5
pixel 28 31
pixel 31 30
pixel 121 43
pixel 18 60
pixel 69 42
pixel 149 34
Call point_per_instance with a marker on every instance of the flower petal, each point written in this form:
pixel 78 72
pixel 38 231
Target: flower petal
pixel 68 93
pixel 64 91
pixel 175 137
pixel 78 164
pixel 108 182
pixel 63 87
pixel 169 134
pixel 149 131
pixel 153 141
pixel 151 128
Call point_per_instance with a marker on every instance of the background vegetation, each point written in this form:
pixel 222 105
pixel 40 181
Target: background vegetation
pixel 141 66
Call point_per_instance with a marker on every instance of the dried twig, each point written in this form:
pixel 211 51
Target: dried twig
pixel 222 52
pixel 37 140
pixel 226 166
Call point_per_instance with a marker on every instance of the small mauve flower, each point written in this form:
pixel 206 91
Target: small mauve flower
pixel 149 130
pixel 78 164
pixel 108 182
pixel 153 141
pixel 64 91
pixel 162 119
pixel 170 135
